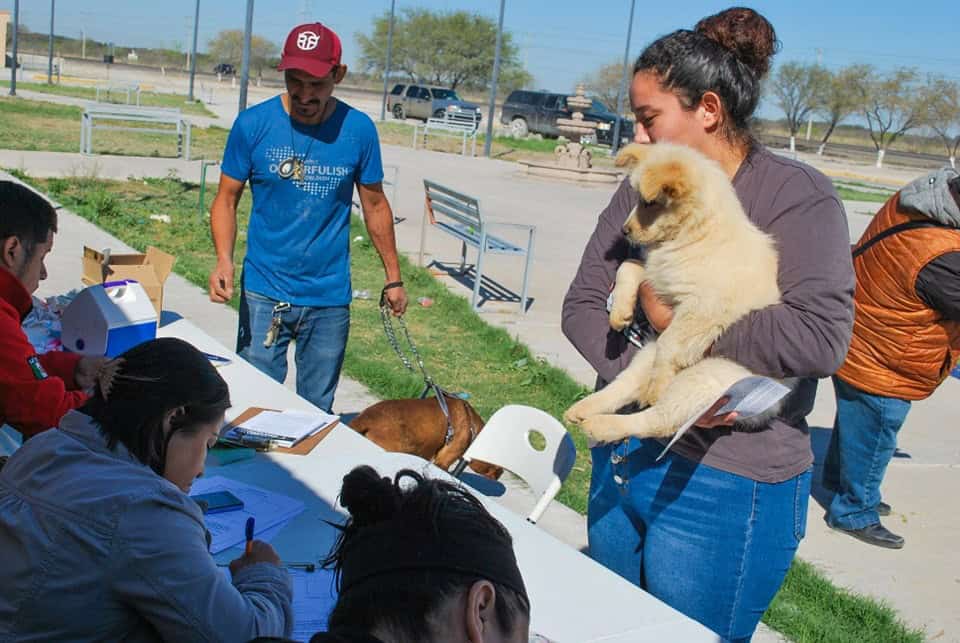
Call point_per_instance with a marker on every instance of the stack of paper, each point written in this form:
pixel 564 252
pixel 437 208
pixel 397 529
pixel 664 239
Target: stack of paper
pixel 271 511
pixel 286 428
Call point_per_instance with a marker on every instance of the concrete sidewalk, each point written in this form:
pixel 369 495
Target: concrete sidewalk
pixel 921 581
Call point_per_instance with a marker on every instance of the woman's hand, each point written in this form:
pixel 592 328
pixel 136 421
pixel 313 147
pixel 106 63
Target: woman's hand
pixel 656 311
pixel 261 552
pixel 710 419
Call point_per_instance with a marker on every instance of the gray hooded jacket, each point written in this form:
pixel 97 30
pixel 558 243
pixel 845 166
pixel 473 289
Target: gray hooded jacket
pixel 937 197
pixel 95 546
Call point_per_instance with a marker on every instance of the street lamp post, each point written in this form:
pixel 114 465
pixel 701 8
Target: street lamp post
pixel 615 142
pixel 245 62
pixel 386 69
pixel 50 47
pixel 193 55
pixel 13 45
pixel 493 84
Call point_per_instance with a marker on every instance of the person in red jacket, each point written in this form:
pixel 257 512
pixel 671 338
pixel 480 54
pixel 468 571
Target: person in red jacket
pixel 35 390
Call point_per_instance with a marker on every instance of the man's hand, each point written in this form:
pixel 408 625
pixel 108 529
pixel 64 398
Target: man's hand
pixel 396 298
pixel 221 282
pixel 710 419
pixel 86 371
pixel 261 552
pixel 656 311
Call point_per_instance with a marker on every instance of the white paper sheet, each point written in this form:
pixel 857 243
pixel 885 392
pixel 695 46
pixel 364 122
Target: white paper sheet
pixel 271 510
pixel 291 426
pixel 314 595
pixel 747 397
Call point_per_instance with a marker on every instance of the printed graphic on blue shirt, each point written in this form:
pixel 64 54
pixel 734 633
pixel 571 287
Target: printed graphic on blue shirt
pixel 298 236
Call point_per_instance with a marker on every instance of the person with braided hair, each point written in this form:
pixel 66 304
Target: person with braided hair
pixel 422 560
pixel 712 527
pixel 98 537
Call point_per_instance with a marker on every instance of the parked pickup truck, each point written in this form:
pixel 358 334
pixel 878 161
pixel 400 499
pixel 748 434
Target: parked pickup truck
pixel 425 101
pixel 526 112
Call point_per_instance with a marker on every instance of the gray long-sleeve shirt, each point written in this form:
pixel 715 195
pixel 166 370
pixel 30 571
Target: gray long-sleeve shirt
pixel 95 546
pixel 805 336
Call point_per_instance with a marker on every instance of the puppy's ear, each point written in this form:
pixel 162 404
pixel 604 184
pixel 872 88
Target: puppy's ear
pixel 631 155
pixel 671 179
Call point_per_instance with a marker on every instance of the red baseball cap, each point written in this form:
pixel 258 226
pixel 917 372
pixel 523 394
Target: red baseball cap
pixel 312 48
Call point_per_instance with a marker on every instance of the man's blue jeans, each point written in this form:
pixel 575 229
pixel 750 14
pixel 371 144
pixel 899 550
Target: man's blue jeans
pixel 713 545
pixel 863 442
pixel 321 339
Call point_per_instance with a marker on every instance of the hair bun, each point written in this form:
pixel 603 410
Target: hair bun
pixel 368 497
pixel 746 33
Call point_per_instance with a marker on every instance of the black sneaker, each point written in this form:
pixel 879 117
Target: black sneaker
pixel 883 509
pixel 875 534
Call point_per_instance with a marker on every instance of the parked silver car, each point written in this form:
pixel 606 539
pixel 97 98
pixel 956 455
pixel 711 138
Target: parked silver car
pixel 425 101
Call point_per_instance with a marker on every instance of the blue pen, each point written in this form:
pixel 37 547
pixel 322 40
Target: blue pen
pixel 217 358
pixel 250 524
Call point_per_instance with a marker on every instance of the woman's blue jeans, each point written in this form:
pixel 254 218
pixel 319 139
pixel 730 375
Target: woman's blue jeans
pixel 321 338
pixel 712 544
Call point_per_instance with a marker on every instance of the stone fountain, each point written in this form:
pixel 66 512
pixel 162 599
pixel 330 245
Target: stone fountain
pixel 573 159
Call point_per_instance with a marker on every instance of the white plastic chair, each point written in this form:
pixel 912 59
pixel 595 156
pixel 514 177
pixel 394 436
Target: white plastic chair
pixel 505 442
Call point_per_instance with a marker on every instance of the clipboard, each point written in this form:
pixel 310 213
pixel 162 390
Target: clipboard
pixel 304 447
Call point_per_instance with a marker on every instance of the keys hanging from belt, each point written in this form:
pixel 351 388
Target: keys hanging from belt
pixel 274 329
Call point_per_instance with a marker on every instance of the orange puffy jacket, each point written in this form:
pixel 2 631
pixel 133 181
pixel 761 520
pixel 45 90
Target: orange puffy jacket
pixel 901 347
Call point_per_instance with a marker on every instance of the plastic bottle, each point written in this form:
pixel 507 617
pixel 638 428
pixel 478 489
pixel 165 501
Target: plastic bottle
pixel 361 294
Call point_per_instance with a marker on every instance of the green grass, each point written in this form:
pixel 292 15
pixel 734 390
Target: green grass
pixel 38 125
pixel 852 194
pixel 809 608
pixel 463 352
pixel 147 99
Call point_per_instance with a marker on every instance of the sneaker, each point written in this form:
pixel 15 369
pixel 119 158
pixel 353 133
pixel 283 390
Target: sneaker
pixel 875 534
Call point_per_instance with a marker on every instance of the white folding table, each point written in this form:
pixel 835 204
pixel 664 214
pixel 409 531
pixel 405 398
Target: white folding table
pixel 573 599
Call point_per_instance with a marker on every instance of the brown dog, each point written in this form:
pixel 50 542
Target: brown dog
pixel 419 427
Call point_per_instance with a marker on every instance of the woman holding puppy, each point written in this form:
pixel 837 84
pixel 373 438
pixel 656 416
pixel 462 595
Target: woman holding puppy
pixel 711 529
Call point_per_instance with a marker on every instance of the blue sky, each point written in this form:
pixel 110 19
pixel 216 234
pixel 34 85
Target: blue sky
pixel 561 41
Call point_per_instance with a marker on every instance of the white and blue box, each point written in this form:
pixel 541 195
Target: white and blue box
pixel 107 319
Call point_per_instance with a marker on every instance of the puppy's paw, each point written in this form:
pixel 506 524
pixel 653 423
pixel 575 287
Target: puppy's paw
pixel 631 155
pixel 602 429
pixel 580 411
pixel 620 316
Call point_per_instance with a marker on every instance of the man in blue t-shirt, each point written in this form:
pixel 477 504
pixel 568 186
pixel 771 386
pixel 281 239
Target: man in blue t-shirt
pixel 302 153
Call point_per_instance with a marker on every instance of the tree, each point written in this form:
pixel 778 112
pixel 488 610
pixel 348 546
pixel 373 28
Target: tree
pixel 227 47
pixel 893 104
pixel 841 97
pixel 943 114
pixel 455 49
pixel 604 84
pixel 797 88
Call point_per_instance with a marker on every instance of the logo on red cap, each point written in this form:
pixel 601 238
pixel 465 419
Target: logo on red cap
pixel 307 40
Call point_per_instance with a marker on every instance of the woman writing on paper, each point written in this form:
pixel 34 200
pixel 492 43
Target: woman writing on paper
pixel 98 537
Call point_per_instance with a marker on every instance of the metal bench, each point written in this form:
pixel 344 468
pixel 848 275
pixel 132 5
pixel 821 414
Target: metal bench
pixel 459 216
pixel 129 90
pixel 150 117
pixel 460 125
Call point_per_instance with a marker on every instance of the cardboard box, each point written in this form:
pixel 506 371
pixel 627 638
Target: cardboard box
pixel 150 269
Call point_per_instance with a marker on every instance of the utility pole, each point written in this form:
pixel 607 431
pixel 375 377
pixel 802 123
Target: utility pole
pixel 13 46
pixel 50 48
pixel 83 42
pixel 193 55
pixel 488 141
pixel 386 68
pixel 245 60
pixel 306 11
pixel 615 141
pixel 810 119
